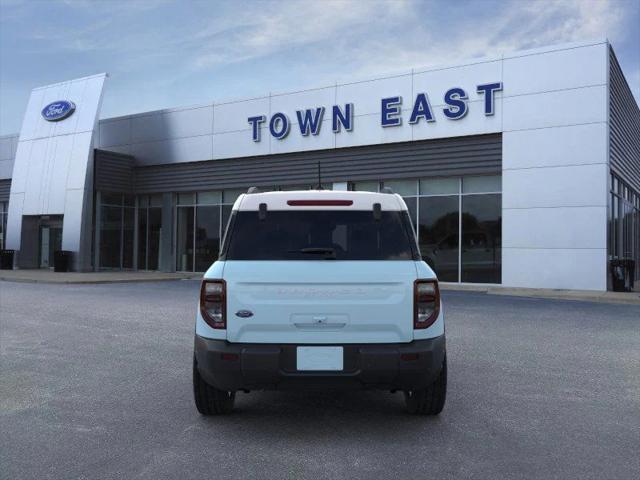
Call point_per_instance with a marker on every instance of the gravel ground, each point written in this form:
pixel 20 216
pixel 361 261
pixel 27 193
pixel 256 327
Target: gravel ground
pixel 95 382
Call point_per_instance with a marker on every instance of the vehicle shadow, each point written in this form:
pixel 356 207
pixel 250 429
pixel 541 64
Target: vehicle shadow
pixel 331 414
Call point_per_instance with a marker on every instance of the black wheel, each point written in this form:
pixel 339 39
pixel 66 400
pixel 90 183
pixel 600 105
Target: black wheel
pixel 210 400
pixel 429 401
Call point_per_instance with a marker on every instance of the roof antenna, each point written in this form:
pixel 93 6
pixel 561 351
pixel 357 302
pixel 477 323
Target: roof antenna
pixel 319 178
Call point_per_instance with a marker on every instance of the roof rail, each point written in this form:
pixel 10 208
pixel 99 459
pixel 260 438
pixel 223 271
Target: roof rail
pixel 253 190
pixel 386 190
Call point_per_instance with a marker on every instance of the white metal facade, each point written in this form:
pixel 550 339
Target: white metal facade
pixel 52 170
pixel 552 113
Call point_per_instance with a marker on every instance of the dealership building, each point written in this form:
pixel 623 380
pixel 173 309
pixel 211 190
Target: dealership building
pixel 521 169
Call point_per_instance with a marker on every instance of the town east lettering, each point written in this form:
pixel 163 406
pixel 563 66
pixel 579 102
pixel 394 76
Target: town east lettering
pixel 309 120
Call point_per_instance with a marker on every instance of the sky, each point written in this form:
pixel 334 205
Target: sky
pixel 162 53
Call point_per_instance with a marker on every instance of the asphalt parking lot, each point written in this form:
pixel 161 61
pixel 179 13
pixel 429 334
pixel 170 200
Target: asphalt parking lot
pixel 95 382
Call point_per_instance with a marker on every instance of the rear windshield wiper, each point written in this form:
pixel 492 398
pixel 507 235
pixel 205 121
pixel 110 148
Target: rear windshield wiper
pixel 329 252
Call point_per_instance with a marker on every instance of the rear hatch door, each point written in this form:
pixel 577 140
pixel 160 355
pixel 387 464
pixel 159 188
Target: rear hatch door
pixel 319 302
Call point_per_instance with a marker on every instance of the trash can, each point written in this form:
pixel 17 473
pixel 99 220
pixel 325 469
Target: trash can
pixel 6 259
pixel 61 260
pixel 622 274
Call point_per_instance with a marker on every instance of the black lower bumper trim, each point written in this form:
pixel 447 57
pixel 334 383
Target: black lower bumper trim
pixel 390 366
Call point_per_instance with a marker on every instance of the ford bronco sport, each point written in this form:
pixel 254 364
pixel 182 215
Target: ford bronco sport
pixel 319 290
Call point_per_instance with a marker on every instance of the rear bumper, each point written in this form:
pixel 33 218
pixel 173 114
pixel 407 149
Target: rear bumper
pixel 391 366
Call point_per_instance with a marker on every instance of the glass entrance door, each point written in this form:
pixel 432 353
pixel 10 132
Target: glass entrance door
pixel 50 242
pixel 44 246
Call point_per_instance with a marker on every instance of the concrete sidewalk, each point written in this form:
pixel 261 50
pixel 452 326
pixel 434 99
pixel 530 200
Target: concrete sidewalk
pixel 49 276
pixel 631 298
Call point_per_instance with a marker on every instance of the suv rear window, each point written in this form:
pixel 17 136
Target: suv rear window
pixel 320 235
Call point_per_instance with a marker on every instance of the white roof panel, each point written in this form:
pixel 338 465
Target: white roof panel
pixel 283 200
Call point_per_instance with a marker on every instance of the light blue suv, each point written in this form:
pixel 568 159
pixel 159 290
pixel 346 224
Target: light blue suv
pixel 315 290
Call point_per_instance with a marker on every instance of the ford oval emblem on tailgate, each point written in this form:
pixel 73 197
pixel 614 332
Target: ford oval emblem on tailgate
pixel 244 313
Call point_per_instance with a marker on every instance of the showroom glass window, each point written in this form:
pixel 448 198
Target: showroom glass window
pixel 624 223
pixel 3 223
pixel 149 232
pixel 458 224
pixel 201 220
pixel 117 230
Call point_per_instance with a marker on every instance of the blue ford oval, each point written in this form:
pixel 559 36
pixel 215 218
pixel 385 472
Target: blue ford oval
pixel 59 110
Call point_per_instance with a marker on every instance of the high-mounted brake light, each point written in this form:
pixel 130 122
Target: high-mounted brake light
pixel 426 303
pixel 319 203
pixel 213 303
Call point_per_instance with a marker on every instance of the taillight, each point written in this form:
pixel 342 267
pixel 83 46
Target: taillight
pixel 213 303
pixel 426 303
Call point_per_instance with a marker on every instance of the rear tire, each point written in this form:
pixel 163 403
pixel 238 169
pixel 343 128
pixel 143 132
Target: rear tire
pixel 430 400
pixel 209 400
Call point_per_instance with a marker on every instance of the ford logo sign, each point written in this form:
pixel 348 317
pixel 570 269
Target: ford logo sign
pixel 56 111
pixel 244 313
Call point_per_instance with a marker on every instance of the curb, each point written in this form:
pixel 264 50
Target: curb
pixel 631 298
pixel 624 298
pixel 94 282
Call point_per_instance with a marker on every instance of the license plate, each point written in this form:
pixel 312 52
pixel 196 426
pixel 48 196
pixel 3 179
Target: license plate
pixel 320 358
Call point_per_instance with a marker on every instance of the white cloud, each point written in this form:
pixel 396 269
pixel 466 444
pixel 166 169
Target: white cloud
pixel 363 35
pixel 286 26
pixel 633 79
pixel 520 25
pixel 370 38
pixel 200 51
